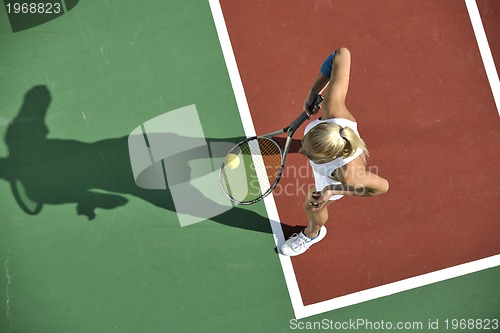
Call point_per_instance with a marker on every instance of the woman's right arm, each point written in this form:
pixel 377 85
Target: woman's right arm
pixel 336 87
pixel 317 87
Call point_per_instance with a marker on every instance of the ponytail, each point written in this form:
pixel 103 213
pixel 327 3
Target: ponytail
pixel 352 142
pixel 329 141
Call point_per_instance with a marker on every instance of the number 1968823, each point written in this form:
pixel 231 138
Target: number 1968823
pixel 33 8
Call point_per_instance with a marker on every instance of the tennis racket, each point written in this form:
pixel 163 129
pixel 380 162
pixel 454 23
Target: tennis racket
pixel 252 169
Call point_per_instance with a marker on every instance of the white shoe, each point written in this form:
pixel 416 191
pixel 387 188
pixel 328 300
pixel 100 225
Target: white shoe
pixel 299 243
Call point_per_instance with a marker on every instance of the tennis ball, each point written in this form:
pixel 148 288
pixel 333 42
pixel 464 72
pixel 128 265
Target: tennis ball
pixel 232 161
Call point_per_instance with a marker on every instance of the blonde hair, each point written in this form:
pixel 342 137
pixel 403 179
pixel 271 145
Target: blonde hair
pixel 329 141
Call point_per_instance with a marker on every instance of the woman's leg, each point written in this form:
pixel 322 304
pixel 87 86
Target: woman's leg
pixel 313 233
pixel 316 217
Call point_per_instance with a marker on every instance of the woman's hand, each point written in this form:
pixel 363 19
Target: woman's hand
pixel 318 199
pixel 307 105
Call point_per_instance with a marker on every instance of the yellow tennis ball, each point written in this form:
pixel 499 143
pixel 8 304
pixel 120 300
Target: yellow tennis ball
pixel 232 161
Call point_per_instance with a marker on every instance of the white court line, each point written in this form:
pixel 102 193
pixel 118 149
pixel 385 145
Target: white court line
pixel 246 119
pixel 301 310
pixel 484 49
pixel 397 287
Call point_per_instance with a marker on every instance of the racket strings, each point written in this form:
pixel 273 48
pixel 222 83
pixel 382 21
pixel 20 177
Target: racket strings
pixel 271 158
pixel 257 172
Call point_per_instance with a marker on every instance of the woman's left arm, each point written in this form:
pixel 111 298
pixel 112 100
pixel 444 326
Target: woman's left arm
pixel 355 176
pixel 364 184
pixel 355 181
pixel 367 185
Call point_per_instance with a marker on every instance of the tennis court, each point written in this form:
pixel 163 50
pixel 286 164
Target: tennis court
pixel 110 95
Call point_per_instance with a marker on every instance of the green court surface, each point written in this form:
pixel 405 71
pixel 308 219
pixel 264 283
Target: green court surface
pixel 108 67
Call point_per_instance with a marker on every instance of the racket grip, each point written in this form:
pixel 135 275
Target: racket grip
pixel 297 122
pixel 317 101
pixel 304 115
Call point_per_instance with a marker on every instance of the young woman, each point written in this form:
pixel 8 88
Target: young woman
pixel 335 151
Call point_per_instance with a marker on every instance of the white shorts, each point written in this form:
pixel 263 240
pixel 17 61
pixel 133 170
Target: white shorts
pixel 322 181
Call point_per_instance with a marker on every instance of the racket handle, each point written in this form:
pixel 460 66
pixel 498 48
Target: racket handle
pixel 304 115
pixel 319 99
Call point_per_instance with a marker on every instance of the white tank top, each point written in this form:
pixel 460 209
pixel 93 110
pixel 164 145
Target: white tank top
pixel 326 169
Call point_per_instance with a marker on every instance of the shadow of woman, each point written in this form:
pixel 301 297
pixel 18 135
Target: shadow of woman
pixel 93 175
